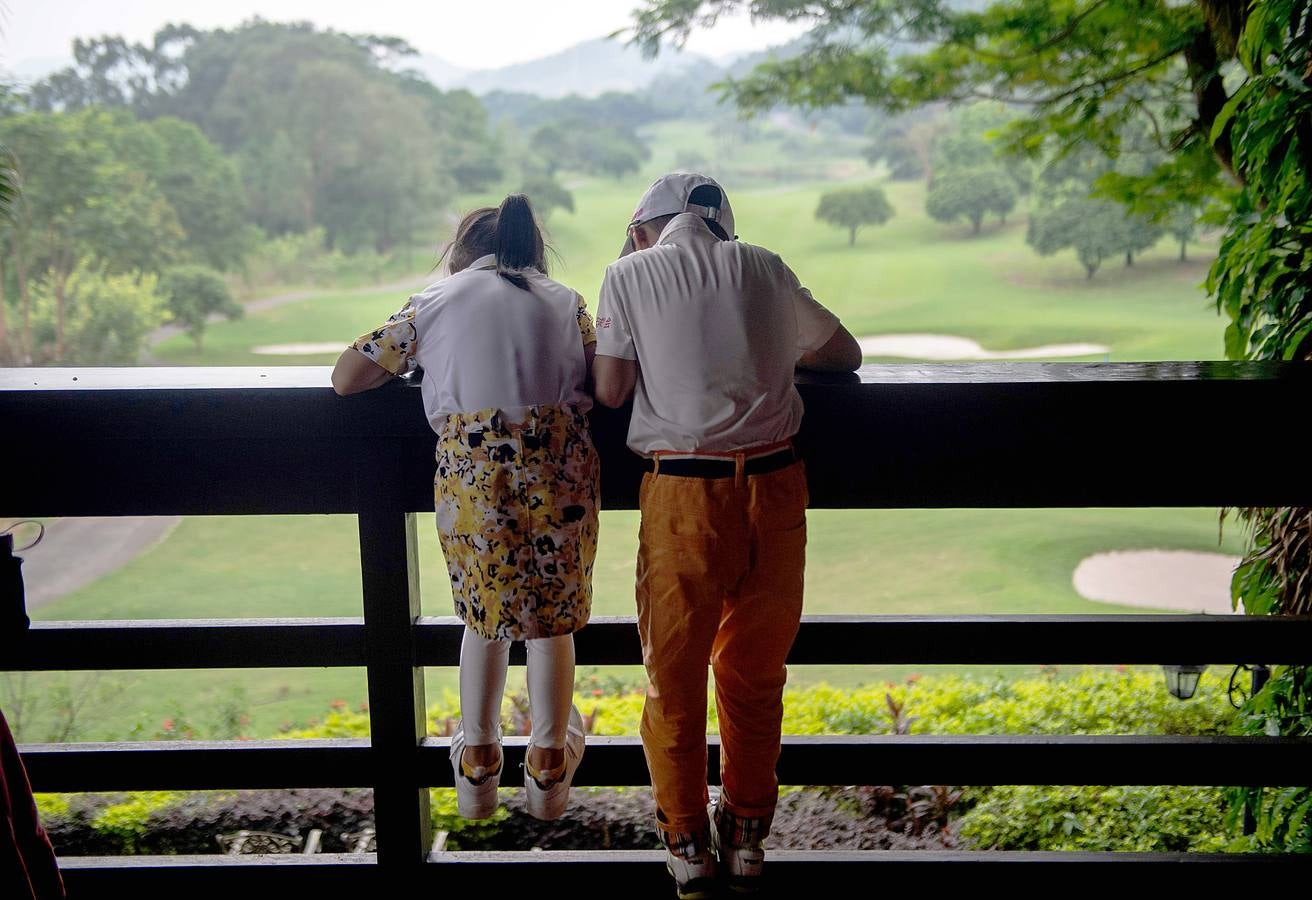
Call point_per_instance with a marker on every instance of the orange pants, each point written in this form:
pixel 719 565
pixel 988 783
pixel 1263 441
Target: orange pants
pixel 720 565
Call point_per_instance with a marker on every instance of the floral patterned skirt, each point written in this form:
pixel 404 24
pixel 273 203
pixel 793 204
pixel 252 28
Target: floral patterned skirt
pixel 517 517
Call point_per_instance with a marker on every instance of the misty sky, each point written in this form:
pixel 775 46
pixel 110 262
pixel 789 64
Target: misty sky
pixel 481 34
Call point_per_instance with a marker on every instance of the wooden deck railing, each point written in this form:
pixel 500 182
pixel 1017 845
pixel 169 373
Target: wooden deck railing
pixel 277 441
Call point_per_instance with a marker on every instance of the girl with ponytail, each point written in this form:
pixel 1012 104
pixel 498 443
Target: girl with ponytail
pixel 506 354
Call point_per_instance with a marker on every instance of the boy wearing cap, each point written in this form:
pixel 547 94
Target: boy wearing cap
pixel 704 332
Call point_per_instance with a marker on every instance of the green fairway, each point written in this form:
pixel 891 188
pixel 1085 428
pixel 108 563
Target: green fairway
pixel 869 561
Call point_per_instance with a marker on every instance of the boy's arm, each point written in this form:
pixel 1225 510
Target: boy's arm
pixel 614 379
pixel 841 353
pixel 615 368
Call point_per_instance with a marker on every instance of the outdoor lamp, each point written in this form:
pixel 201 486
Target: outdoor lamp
pixel 1182 681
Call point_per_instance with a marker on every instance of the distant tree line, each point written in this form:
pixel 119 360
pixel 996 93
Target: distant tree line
pixel 145 171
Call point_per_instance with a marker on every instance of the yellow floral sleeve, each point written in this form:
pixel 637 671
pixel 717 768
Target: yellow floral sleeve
pixel 586 326
pixel 393 345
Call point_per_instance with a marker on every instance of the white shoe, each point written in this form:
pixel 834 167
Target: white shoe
pixel 694 876
pixel 546 798
pixel 476 787
pixel 740 866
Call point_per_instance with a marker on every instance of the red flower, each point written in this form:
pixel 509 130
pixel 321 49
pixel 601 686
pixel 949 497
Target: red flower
pixel 168 724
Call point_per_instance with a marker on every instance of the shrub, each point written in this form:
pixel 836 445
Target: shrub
pixel 1043 817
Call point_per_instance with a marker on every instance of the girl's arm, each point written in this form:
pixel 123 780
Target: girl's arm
pixel 355 373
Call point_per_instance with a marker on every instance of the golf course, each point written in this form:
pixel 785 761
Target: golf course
pixel 910 277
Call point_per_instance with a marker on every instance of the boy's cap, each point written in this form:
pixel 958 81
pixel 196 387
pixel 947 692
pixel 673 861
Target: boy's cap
pixel 672 194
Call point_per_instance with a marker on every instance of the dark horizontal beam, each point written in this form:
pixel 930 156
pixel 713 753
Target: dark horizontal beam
pixel 616 761
pixel 187 644
pixel 267 441
pixel 198 765
pixel 596 874
pixel 613 640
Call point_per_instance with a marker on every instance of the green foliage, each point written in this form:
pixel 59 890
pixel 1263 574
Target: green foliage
pixel 324 129
pixel 200 183
pixel 595 147
pixel 104 318
pixel 853 207
pixel 1273 577
pixel 100 192
pixel 1263 276
pixel 1138 819
pixel 1093 701
pixel 547 194
pixel 8 184
pixel 445 817
pixel 193 294
pixel 1283 815
pixel 126 822
pixel 970 194
pixel 1094 229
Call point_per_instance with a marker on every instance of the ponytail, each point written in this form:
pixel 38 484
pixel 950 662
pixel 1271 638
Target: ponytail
pixel 518 241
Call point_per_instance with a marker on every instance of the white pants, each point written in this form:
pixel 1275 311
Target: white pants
pixel 483 680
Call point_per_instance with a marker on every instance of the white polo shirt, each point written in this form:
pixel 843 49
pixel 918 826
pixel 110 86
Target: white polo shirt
pixel 717 328
pixel 485 343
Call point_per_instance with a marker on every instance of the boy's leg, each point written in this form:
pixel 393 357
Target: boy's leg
pixel 759 624
pixel 685 552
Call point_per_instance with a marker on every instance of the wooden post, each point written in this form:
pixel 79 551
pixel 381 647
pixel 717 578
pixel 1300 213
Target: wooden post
pixel 389 570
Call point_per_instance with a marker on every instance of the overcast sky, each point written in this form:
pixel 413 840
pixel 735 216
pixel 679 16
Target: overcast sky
pixel 482 34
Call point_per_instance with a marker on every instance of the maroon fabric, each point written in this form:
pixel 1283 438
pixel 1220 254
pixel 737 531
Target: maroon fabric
pixel 28 870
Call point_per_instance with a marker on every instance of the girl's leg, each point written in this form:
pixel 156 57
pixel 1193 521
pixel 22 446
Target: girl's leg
pixel 482 683
pixel 550 697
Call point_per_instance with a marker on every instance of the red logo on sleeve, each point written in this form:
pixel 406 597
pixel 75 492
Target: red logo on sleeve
pixel 604 321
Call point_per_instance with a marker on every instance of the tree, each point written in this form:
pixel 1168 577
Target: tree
pixel 547 194
pixel 194 293
pixel 583 146
pixel 1084 71
pixel 905 142
pixel 1138 234
pixel 202 186
pixel 87 202
pixel 1183 226
pixel 1094 229
pixel 104 317
pixel 970 194
pixel 853 208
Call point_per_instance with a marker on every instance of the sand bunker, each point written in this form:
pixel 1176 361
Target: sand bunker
pixel 300 349
pixel 1182 580
pixel 946 346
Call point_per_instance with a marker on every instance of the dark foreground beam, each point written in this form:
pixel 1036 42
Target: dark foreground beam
pixel 613 640
pixel 845 759
pixel 640 875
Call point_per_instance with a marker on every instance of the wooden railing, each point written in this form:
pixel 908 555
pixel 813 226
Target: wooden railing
pixel 277 441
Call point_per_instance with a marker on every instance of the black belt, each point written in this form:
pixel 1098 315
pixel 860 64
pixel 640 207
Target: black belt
pixel 722 468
